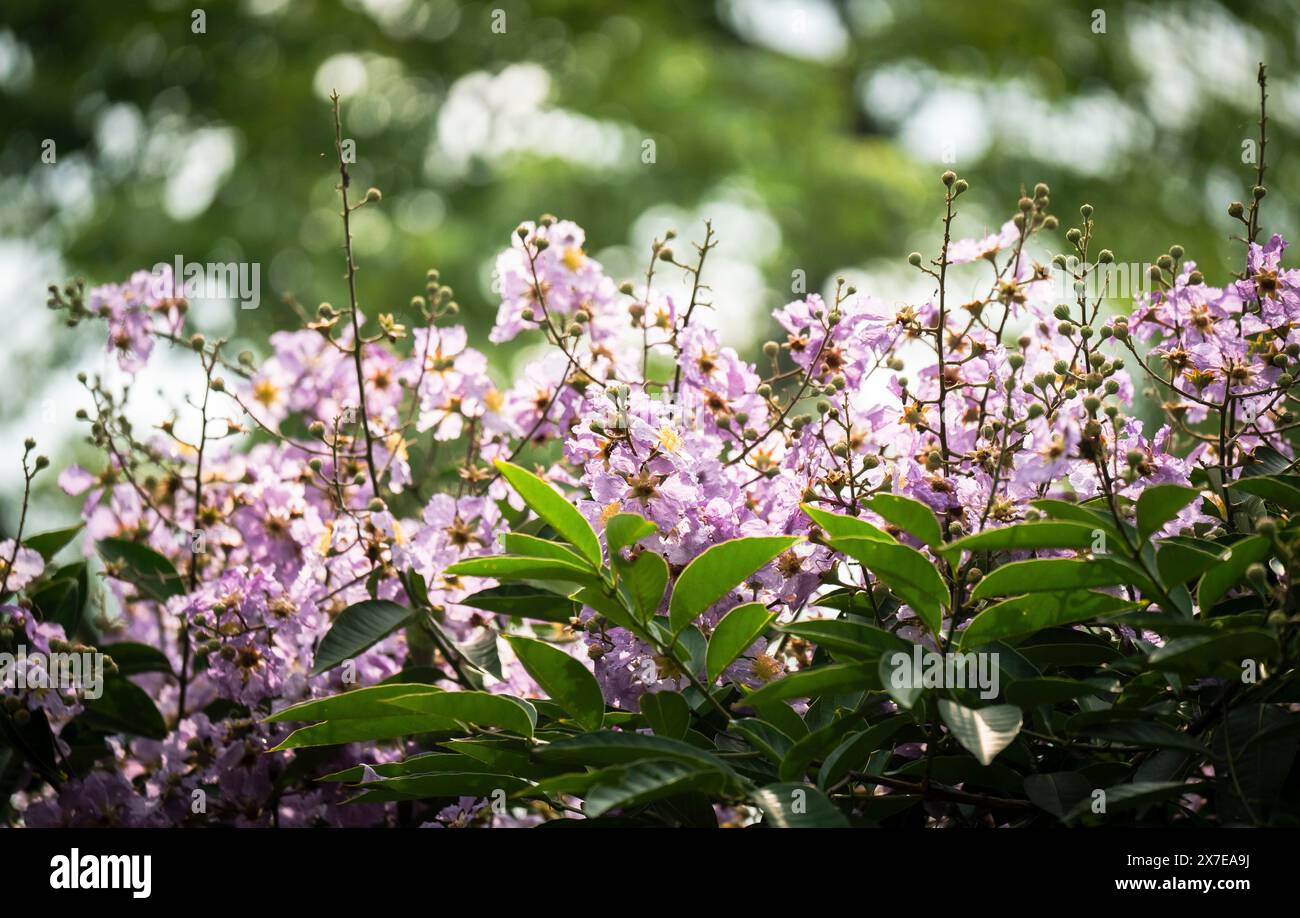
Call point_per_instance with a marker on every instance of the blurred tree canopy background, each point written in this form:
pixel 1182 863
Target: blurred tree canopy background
pixel 812 132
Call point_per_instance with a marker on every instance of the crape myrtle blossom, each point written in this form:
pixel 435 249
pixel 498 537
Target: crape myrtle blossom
pixel 326 476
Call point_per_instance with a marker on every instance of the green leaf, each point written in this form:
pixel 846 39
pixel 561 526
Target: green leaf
pixel 853 752
pixel 909 515
pixel 838 526
pixel 1024 615
pixel 766 738
pixel 983 732
pixel 523 601
pixel 820 680
pixel 365 730
pixel 1159 504
pixel 142 567
pixel 568 683
pixel 1207 655
pixel 643 782
pixel 1179 562
pixel 438 784
pixel 556 509
pixel 356 629
pixel 1034 536
pixel 1231 569
pixel 849 639
pixel 609 607
pixel 517 567
pixel 1124 797
pixel 717 571
pixel 646 578
pixel 132 658
pixel 353 704
pixel 530 546
pixel 624 529
pixel 787 805
pixel 896 671
pixel 1030 693
pixel 1058 792
pixel 815 746
pixel 738 629
pixel 610 748
pixel 504 712
pixel 1275 490
pixel 1144 733
pixel 62 599
pixel 1043 575
pixel 667 713
pixel 1077 513
pixel 125 707
pixel 50 543
pixel 904 570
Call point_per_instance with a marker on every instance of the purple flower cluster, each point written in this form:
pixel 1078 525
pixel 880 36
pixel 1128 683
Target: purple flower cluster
pixel 976 408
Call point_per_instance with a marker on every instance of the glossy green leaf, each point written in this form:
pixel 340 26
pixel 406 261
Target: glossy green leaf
pixel 1035 536
pixel 367 729
pixel 904 570
pixel 1158 504
pixel 820 680
pixel 142 567
pixel 624 529
pixel 1231 569
pixel 617 748
pixel 480 708
pixel 1207 655
pixel 910 515
pixel 983 732
pixel 668 713
pixel 530 546
pixel 356 629
pixel 646 781
pixel 356 703
pixel 738 629
pixel 848 639
pixel 50 543
pixel 124 706
pixel 564 679
pixel 1024 615
pixel 646 579
pixel 838 525
pixel 516 567
pixel 1042 575
pixel 717 571
pixel 1272 489
pixel 798 806
pixel 556 509
pixel 523 601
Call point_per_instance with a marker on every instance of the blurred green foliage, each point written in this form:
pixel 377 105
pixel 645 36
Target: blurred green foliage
pixel 829 117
